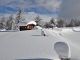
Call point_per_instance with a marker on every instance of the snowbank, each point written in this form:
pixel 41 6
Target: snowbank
pixel 26 44
pixel 67 30
pixel 36 27
pixel 3 30
pixel 62 49
pixel 31 45
pixel 76 29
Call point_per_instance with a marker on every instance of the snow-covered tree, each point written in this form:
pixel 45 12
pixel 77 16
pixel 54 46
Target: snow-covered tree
pixel 62 23
pixel 0 25
pixel 52 26
pixel 3 23
pixel 72 23
pixel 11 23
pixel 53 21
pixel 77 22
pixel 20 16
pixel 47 25
pixel 38 21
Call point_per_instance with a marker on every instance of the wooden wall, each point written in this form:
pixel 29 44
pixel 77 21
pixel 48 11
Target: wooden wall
pixel 28 27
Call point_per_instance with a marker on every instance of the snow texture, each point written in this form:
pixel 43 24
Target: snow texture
pixel 25 45
pixel 62 49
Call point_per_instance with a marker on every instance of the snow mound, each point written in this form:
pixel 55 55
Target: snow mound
pixel 67 30
pixel 3 30
pixel 76 29
pixel 30 44
pixel 62 49
pixel 43 33
pixel 36 27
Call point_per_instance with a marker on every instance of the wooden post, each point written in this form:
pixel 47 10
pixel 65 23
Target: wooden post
pixel 44 34
pixel 65 59
pixel 62 59
pixel 68 58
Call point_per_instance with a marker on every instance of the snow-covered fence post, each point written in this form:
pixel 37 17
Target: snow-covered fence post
pixel 65 59
pixel 43 33
pixel 62 59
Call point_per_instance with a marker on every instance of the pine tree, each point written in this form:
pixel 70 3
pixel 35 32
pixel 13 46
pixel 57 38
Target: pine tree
pixel 47 25
pixel 72 23
pixel 62 23
pixel 20 17
pixel 3 23
pixel 54 22
pixel 77 22
pixel 38 21
pixel 11 23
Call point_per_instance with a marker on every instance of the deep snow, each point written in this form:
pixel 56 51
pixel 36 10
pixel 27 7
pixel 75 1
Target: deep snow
pixel 62 49
pixel 31 45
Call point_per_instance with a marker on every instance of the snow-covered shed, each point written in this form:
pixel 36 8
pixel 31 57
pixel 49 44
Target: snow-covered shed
pixel 26 25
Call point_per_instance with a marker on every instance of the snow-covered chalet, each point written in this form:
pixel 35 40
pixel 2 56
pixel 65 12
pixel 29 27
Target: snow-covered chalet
pixel 26 25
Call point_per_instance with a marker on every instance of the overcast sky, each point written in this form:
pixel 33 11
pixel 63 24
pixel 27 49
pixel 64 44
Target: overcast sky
pixel 70 9
pixel 46 9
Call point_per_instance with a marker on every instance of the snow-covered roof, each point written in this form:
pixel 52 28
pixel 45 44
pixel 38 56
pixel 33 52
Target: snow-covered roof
pixel 31 22
pixel 25 23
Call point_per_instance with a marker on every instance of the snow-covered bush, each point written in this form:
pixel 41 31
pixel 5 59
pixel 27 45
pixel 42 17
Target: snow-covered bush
pixel 38 21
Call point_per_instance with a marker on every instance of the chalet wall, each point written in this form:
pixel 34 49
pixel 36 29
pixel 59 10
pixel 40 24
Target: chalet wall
pixel 28 27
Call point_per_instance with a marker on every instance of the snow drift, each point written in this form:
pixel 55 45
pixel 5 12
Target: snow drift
pixel 36 27
pixel 62 49
pixel 30 44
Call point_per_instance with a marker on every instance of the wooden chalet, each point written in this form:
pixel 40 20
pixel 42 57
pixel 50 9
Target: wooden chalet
pixel 26 26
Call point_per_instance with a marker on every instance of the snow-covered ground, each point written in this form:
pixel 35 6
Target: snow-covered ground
pixel 24 45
